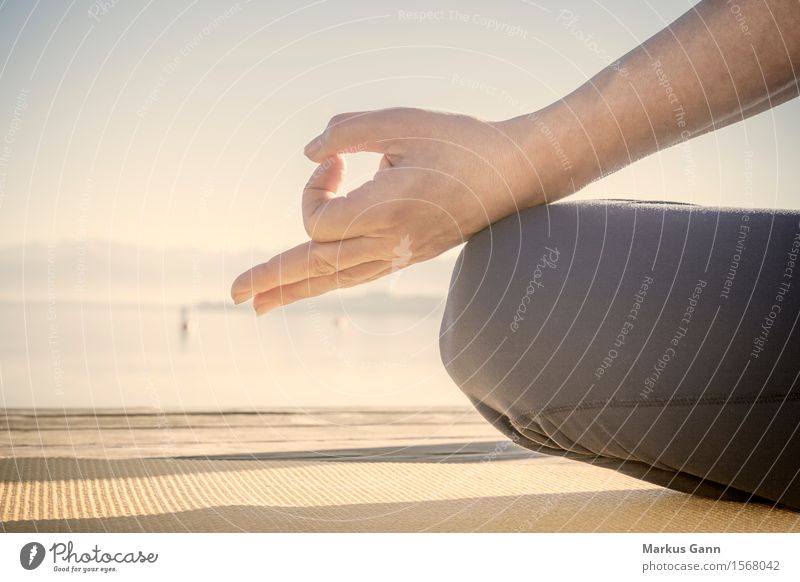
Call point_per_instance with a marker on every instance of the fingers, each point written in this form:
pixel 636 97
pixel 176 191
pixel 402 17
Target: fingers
pixel 328 217
pixel 306 261
pixel 370 131
pixel 386 163
pixel 287 294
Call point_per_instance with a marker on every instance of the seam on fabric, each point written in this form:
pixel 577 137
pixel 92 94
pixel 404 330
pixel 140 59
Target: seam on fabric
pixel 676 401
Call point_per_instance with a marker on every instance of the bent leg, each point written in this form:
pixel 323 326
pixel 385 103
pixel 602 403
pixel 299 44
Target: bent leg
pixel 657 339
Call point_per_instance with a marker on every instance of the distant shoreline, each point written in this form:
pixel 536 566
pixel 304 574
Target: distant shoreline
pixel 376 302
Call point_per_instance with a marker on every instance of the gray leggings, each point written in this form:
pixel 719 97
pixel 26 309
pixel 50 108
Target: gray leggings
pixel 657 339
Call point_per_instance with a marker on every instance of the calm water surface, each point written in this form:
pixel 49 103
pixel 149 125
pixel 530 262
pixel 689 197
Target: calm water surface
pixel 305 356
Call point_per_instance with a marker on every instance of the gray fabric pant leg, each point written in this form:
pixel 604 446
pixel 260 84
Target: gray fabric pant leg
pixel 657 339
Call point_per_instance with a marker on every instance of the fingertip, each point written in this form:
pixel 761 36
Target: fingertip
pixel 241 289
pixel 313 149
pixel 263 308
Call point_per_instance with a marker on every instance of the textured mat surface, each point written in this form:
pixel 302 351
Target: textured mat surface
pixel 537 494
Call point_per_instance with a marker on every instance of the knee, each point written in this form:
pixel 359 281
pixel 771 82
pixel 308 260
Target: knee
pixel 465 349
pixel 505 337
pixel 493 371
pixel 513 376
pixel 481 344
pixel 465 335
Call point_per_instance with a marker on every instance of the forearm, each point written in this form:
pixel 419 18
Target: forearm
pixel 719 63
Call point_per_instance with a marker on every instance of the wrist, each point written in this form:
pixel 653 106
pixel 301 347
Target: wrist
pixel 559 157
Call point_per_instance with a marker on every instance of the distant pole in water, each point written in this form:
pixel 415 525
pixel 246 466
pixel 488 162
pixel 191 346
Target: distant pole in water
pixel 188 323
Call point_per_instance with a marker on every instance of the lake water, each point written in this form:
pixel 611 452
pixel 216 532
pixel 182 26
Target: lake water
pixel 309 355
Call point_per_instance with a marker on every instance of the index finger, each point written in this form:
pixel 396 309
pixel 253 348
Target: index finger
pixel 311 259
pixel 371 131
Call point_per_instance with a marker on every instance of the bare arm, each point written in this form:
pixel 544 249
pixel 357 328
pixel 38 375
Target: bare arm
pixel 444 177
pixel 717 64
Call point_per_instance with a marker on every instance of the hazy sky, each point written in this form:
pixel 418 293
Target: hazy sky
pixel 181 123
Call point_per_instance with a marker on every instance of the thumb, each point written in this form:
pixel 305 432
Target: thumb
pixel 363 131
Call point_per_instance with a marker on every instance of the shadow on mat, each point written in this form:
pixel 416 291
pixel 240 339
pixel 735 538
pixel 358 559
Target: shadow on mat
pixel 466 452
pixel 13 470
pixel 655 510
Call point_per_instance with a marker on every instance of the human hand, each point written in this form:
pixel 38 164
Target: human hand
pixel 443 177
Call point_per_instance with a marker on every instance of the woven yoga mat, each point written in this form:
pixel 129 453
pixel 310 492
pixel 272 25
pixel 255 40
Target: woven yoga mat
pixel 545 495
